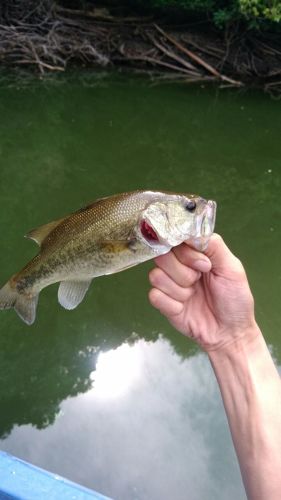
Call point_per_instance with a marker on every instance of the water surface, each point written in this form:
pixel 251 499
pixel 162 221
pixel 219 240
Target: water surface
pixel 109 395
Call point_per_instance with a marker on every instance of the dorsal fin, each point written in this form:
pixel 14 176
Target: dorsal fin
pixel 40 233
pixel 92 204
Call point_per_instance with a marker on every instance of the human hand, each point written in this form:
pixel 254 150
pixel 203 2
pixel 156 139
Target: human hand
pixel 204 296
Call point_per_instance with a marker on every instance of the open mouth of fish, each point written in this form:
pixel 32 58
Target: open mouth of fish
pixel 148 232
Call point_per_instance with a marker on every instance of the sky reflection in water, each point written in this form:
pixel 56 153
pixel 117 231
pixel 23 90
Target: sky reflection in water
pixel 152 426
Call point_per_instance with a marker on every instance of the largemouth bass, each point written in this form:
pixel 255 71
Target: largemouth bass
pixel 108 236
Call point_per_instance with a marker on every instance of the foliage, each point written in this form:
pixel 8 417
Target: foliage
pixel 254 12
pixel 266 9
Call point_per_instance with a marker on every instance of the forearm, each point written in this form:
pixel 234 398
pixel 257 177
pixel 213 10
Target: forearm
pixel 251 391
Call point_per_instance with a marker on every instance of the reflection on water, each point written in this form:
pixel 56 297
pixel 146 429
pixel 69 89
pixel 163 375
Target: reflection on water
pixel 152 427
pixel 116 371
pixel 135 418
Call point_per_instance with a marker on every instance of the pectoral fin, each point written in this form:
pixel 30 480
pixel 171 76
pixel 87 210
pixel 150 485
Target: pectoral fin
pixel 118 246
pixel 71 293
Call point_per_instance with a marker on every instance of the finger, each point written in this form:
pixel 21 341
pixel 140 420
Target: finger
pixel 222 259
pixel 160 280
pixel 181 274
pixel 165 304
pixel 192 258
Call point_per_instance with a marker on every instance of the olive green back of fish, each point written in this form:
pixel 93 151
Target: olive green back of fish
pixel 105 219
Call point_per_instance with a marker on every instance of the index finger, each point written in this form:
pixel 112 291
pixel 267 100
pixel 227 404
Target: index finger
pixel 182 274
pixel 190 257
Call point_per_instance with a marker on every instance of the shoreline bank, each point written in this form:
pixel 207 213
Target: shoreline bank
pixel 185 53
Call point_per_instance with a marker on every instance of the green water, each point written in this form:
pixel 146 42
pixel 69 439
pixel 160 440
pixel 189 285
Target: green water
pixel 109 395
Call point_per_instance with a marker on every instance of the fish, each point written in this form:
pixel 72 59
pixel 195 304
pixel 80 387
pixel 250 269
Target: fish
pixel 107 236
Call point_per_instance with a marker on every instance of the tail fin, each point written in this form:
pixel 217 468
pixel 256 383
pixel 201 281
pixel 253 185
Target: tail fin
pixel 24 305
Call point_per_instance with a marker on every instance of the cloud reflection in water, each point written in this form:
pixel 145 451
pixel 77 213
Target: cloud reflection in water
pixel 117 371
pixel 152 427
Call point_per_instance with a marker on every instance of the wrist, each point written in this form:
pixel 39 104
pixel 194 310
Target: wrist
pixel 250 387
pixel 239 341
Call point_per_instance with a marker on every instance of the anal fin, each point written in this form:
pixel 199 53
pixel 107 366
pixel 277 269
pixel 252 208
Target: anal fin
pixel 71 293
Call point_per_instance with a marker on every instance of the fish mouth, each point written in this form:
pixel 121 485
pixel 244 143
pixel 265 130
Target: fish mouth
pixel 148 232
pixel 204 227
pixel 208 223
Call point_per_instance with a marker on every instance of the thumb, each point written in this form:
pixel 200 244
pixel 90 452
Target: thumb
pixel 223 260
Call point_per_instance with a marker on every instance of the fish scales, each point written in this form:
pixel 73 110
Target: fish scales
pixel 81 234
pixel 107 236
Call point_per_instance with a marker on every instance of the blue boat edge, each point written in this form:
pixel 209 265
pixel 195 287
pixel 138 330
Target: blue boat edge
pixel 23 481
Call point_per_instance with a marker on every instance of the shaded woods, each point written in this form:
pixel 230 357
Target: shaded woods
pixel 50 36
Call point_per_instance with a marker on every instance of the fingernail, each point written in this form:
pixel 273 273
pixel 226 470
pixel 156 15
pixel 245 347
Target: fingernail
pixel 202 265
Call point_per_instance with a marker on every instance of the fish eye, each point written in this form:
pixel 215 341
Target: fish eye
pixel 190 206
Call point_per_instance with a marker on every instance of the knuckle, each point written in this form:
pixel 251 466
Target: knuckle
pixel 239 267
pixel 177 309
pixel 189 276
pixel 155 276
pixel 217 237
pixel 153 297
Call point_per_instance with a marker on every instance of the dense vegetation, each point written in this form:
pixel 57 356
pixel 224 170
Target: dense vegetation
pixel 254 13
